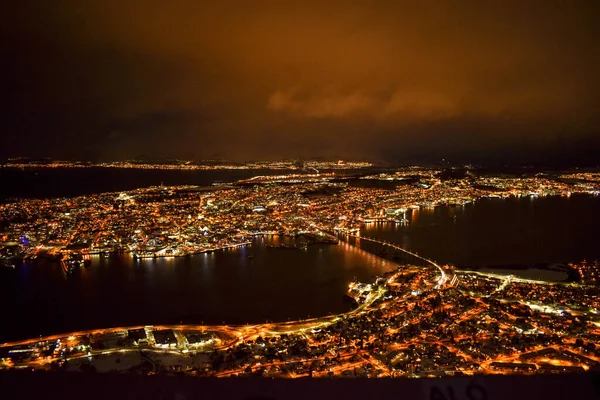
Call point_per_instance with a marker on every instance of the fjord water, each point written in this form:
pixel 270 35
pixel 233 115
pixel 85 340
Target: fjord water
pixel 67 182
pixel 248 285
pixel 273 284
pixel 498 232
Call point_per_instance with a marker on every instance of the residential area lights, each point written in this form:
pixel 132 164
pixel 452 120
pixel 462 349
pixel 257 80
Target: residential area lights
pixel 404 325
pixel 418 320
pixel 194 165
pixel 184 220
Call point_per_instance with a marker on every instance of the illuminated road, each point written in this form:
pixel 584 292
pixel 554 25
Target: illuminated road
pixel 404 300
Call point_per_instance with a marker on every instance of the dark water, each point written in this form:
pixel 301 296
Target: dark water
pixel 275 284
pixel 65 182
pixel 224 286
pixel 502 232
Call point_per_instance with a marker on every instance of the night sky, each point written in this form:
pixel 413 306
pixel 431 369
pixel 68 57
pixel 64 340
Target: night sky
pixel 409 81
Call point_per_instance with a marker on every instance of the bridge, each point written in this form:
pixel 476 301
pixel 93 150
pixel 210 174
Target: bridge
pixel 444 276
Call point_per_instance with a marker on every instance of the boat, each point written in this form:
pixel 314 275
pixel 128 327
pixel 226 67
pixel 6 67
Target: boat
pixel 69 265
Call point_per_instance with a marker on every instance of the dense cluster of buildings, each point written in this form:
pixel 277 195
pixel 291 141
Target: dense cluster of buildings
pixel 408 322
pixel 419 320
pixel 179 221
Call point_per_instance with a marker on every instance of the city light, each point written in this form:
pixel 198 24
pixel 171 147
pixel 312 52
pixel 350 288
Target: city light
pixel 421 319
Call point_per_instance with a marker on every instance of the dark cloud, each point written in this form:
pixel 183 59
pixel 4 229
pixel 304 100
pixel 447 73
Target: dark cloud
pixel 408 80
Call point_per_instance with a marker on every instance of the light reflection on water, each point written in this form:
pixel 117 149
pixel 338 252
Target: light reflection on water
pixel 499 232
pixel 275 284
